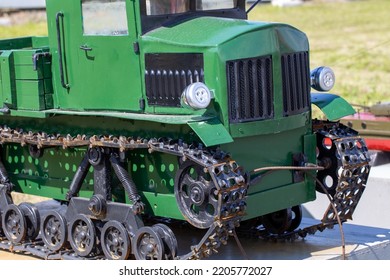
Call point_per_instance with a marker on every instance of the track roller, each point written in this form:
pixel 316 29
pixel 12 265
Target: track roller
pixel 82 235
pixel 115 241
pixel 54 231
pixel 33 219
pixel 147 244
pixel 169 241
pixel 14 224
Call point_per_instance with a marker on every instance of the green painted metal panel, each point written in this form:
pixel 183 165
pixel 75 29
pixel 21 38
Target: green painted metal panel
pixel 31 102
pixel 29 87
pixel 40 42
pixel 310 149
pixel 49 175
pixel 8 82
pixel 211 132
pixel 333 106
pixel 49 101
pixel 31 94
pixel 163 205
pixel 24 68
pixel 275 189
pixel 276 199
pixel 272 126
pixel 218 31
pixel 17 43
pixel 164 119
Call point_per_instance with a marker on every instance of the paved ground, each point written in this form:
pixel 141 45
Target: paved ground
pixel 361 243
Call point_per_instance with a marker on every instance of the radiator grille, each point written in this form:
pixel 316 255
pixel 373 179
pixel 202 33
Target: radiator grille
pixel 296 83
pixel 167 75
pixel 250 89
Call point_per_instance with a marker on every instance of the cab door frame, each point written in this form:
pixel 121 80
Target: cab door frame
pixel 94 71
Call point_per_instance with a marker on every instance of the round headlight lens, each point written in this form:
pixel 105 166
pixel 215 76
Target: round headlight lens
pixel 322 78
pixel 197 96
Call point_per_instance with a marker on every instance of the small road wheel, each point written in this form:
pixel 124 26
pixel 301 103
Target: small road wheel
pixel 82 235
pixel 54 231
pixel 33 219
pixel 148 244
pixel 169 241
pixel 14 224
pixel 115 241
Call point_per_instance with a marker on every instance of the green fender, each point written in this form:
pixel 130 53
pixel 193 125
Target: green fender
pixel 333 106
pixel 211 132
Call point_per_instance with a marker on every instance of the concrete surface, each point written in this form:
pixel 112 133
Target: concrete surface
pixel 361 243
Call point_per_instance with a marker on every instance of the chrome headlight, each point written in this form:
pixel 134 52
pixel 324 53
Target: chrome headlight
pixel 322 78
pixel 196 96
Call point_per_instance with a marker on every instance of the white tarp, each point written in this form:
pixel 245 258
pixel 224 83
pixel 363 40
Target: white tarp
pixel 22 4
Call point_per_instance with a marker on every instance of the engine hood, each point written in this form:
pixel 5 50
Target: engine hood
pixel 207 32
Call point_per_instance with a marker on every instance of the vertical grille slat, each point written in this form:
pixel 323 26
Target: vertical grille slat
pixel 254 102
pixel 250 89
pixel 296 83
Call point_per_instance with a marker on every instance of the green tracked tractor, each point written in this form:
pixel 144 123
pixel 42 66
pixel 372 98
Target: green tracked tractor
pixel 134 115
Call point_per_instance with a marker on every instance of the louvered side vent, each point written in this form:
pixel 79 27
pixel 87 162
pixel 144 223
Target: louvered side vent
pixel 250 89
pixel 167 75
pixel 296 83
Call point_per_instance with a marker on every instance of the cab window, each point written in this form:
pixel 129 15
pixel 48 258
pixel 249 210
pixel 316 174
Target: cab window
pixel 164 7
pixel 104 17
pixel 206 5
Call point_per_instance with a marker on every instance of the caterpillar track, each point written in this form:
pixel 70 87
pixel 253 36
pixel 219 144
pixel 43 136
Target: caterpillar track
pixel 72 231
pixel 224 190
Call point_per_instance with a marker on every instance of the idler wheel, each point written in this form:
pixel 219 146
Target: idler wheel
pixel 169 241
pixel 296 218
pixel 95 156
pixel 54 231
pixel 148 244
pixel 115 241
pixel 195 195
pixel 278 222
pixel 82 235
pixel 327 157
pixel 14 224
pixel 33 219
